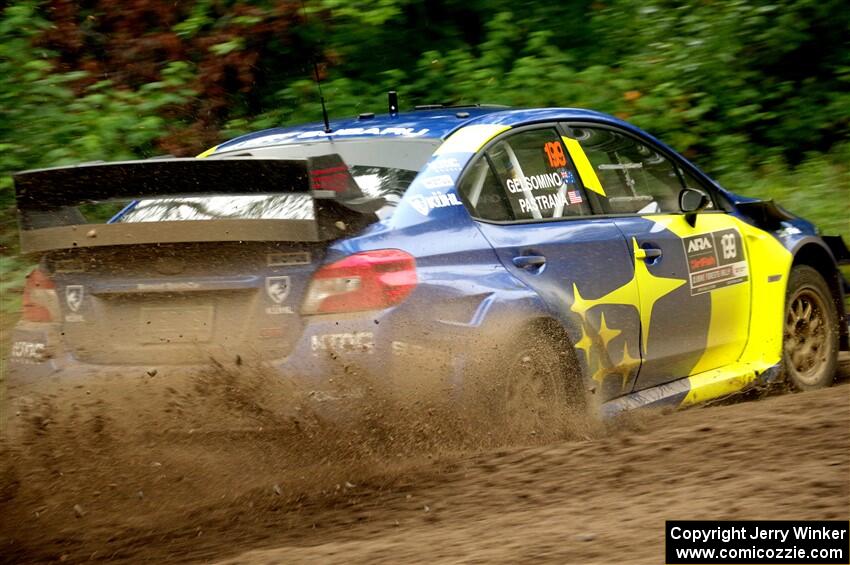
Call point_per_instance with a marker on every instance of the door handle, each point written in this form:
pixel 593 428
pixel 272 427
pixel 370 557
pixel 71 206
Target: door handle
pixel 647 254
pixel 530 262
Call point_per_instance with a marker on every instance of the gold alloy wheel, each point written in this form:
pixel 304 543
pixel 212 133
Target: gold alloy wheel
pixel 807 344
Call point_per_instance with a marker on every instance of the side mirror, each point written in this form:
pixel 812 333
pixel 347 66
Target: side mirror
pixel 692 202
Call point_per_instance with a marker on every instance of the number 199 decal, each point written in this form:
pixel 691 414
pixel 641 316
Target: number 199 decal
pixel 555 152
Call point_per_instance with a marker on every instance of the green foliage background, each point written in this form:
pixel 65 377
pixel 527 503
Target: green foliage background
pixel 756 92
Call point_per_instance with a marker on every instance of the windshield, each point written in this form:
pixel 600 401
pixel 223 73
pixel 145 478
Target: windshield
pixel 382 168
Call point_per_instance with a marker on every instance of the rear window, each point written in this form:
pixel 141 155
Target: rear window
pixel 241 207
pixel 382 168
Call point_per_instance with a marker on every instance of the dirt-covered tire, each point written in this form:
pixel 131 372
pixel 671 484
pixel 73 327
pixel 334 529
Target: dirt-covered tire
pixel 540 385
pixel 810 331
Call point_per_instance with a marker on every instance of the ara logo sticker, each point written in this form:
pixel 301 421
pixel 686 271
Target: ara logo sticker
pixel 277 288
pixel 74 297
pixel 700 243
pixel 424 204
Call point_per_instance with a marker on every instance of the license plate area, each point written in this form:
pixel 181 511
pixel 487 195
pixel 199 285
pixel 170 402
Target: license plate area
pixel 182 324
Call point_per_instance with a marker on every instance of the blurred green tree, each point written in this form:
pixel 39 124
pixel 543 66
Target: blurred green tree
pixel 756 92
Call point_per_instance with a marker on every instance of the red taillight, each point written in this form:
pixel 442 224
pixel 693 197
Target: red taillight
pixel 364 281
pixel 39 295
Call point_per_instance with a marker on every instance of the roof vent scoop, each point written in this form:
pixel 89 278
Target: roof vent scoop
pixel 392 99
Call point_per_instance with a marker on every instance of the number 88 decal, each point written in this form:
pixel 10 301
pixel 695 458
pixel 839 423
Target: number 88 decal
pixel 555 153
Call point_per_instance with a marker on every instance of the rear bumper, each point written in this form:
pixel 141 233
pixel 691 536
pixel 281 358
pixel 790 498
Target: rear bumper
pixel 329 350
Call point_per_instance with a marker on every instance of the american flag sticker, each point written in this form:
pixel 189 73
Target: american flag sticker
pixel 574 196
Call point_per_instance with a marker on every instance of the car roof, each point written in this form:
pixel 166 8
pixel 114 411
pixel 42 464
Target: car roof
pixel 431 123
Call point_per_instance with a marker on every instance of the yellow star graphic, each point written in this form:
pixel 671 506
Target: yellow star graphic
pixel 606 333
pixel 677 224
pixel 642 291
pixel 652 289
pixel 595 342
pixel 602 370
pixel 626 294
pixel 585 343
pixel 625 367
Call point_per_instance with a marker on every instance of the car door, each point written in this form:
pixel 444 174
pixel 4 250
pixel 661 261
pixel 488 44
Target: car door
pixel 692 274
pixel 524 194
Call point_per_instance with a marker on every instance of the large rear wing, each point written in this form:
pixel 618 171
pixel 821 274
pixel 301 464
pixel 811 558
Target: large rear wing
pixel 49 217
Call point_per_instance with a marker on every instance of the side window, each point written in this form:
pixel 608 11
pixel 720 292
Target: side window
pixel 636 178
pixel 484 195
pixel 525 176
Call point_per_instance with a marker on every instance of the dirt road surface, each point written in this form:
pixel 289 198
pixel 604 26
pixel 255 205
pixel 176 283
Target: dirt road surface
pixel 210 470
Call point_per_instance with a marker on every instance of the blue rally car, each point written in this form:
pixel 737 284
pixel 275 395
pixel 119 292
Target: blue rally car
pixel 561 252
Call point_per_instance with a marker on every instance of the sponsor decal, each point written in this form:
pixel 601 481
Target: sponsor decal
pixel 288 259
pixel 405 349
pixel 555 153
pixel 28 352
pixel 568 177
pixel 534 182
pixel 703 262
pixel 445 165
pixel 424 204
pixel 352 342
pixel 278 309
pixel 729 246
pixel 700 243
pixel 789 231
pixel 715 260
pixel 277 289
pixel 441 181
pixel 74 296
pixel 290 136
pixel 169 286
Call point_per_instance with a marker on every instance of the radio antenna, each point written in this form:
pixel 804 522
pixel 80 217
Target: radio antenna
pixel 317 79
pixel 321 97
